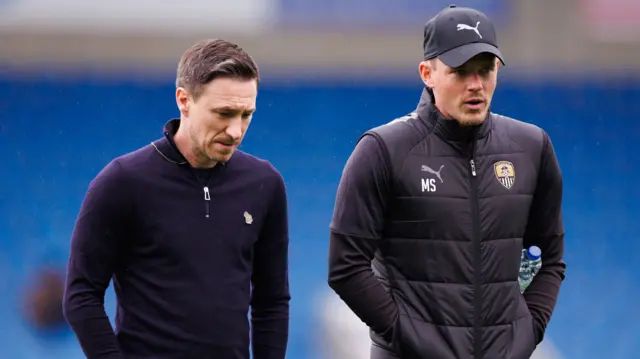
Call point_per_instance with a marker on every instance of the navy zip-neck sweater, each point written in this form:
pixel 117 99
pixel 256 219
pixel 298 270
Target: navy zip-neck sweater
pixel 189 251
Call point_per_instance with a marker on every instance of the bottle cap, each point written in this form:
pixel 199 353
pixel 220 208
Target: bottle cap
pixel 534 252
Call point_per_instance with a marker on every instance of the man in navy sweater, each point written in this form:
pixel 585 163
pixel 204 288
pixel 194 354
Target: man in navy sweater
pixel 193 231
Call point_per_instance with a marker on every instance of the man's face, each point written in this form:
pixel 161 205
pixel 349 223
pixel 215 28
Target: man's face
pixel 462 93
pixel 217 120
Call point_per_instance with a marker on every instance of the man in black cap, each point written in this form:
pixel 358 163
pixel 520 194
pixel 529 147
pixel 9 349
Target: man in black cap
pixel 434 208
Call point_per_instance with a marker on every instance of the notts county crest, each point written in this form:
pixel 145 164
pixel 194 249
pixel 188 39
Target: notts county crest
pixel 505 173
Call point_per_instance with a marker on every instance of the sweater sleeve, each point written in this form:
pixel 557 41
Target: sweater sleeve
pixel 96 246
pixel 357 224
pixel 545 229
pixel 270 279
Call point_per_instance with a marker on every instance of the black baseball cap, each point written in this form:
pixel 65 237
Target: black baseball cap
pixel 456 34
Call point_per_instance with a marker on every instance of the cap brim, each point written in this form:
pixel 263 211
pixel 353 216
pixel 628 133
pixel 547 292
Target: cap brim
pixel 458 56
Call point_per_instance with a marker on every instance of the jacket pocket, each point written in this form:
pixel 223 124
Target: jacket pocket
pixel 523 342
pixel 417 339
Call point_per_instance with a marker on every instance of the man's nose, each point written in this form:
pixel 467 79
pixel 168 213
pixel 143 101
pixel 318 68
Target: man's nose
pixel 475 82
pixel 234 130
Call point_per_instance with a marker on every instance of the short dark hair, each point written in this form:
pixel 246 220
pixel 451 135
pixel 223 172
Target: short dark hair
pixel 207 60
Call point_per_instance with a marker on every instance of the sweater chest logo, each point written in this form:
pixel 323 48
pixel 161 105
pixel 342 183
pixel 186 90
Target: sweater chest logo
pixel 505 173
pixel 248 218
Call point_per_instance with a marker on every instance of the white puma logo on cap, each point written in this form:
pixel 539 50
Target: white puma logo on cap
pixel 467 27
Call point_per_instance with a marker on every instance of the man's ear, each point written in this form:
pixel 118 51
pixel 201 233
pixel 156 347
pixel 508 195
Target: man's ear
pixel 426 73
pixel 182 100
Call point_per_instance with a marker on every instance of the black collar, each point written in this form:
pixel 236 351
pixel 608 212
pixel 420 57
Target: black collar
pixel 449 129
pixel 167 147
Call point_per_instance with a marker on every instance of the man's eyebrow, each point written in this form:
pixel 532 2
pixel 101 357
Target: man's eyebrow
pixel 232 109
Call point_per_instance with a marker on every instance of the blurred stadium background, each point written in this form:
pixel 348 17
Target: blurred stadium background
pixel 82 82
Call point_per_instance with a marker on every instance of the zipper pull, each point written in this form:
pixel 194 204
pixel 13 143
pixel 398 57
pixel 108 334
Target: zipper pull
pixel 473 167
pixel 207 198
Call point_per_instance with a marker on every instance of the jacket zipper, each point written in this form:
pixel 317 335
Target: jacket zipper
pixel 475 213
pixel 207 199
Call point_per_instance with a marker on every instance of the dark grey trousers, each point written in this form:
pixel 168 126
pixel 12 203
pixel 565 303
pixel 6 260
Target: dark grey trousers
pixel 379 353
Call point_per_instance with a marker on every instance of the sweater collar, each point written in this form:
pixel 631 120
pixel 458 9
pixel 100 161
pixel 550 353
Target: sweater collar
pixel 167 147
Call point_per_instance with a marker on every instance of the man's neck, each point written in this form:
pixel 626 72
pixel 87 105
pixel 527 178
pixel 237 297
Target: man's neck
pixel 443 114
pixel 186 148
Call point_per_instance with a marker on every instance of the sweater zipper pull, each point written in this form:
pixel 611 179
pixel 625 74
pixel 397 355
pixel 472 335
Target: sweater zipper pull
pixel 207 198
pixel 473 167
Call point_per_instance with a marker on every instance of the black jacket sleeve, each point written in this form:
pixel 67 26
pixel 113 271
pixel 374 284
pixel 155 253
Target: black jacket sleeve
pixel 96 247
pixel 270 296
pixel 545 230
pixel 357 224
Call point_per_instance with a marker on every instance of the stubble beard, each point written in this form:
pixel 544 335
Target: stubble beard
pixel 471 121
pixel 472 118
pixel 200 154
